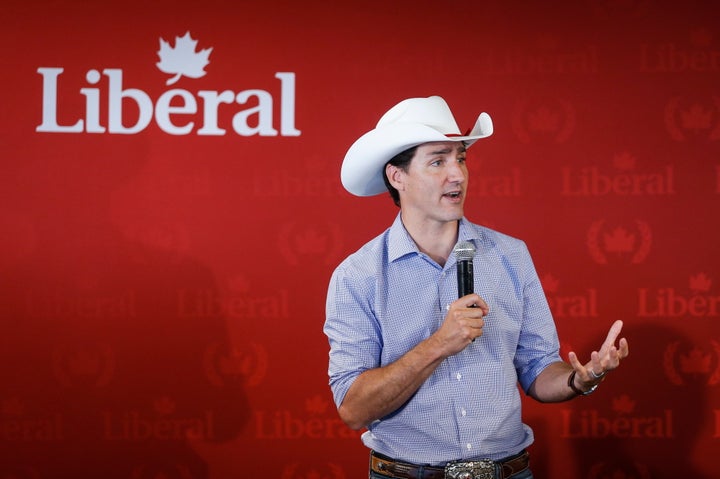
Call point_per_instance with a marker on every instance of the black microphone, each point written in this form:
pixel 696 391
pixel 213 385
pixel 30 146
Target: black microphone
pixel 464 253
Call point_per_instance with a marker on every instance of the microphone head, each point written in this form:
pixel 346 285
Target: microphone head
pixel 464 251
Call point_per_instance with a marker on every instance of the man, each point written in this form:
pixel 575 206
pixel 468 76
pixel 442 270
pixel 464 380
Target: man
pixel 432 377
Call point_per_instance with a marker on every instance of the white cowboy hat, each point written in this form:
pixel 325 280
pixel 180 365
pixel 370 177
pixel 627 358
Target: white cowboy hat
pixel 410 123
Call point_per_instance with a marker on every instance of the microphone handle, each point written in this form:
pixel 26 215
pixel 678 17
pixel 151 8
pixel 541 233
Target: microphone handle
pixel 466 284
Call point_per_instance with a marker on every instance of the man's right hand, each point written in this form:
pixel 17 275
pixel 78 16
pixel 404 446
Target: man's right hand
pixel 463 323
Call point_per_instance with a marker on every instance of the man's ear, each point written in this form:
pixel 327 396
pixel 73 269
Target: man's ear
pixel 395 176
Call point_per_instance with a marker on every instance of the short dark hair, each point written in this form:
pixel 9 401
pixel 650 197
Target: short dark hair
pixel 402 161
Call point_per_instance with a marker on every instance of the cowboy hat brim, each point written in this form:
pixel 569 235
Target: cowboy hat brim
pixel 363 167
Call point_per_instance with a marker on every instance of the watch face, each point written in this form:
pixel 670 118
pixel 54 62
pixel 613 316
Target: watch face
pixel 590 391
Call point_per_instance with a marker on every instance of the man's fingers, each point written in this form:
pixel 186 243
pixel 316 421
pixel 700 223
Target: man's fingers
pixel 624 348
pixel 613 333
pixel 574 362
pixel 474 301
pixel 607 359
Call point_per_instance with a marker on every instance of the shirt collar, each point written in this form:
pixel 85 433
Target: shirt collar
pixel 400 243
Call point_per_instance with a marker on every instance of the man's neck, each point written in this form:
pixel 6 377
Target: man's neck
pixel 435 239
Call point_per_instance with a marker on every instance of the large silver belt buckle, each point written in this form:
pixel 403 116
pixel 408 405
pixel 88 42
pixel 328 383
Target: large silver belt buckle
pixel 484 469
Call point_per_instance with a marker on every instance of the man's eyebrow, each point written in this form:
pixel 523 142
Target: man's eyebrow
pixel 441 151
pixel 446 150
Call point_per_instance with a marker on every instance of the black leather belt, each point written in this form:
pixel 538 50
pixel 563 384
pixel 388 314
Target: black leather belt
pixel 484 469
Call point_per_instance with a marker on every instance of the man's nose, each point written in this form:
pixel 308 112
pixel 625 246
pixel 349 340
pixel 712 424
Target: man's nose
pixel 456 171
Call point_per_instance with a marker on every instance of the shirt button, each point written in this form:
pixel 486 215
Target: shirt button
pixel 459 376
pixel 463 412
pixel 469 446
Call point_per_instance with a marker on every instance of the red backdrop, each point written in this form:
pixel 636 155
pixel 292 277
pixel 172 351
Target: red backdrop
pixel 170 217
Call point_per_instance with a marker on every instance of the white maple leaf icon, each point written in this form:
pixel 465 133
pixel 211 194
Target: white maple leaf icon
pixel 183 59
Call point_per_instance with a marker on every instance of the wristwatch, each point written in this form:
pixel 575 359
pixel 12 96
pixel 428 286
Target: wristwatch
pixel 571 383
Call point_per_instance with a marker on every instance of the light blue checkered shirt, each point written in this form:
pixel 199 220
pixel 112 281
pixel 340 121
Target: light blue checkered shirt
pixel 387 297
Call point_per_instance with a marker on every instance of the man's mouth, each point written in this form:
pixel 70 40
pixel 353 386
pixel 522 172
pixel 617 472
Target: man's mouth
pixel 453 195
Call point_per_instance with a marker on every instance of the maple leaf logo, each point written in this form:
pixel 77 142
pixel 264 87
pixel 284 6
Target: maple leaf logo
pixel 624 161
pixel 547 42
pixel 623 404
pixel 544 120
pixel 239 284
pixel 701 37
pixel 235 364
pixel 316 405
pixel 696 117
pixel 182 59
pixel 550 283
pixel 620 241
pixel 700 283
pixel 164 405
pixel 695 362
pixel 84 363
pixel 310 242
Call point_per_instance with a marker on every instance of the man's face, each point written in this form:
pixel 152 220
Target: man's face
pixel 435 184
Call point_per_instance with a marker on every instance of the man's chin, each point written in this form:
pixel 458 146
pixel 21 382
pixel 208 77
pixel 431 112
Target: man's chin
pixel 455 215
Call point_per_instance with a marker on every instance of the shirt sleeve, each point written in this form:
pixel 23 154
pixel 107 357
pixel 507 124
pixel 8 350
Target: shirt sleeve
pixel 538 345
pixel 351 327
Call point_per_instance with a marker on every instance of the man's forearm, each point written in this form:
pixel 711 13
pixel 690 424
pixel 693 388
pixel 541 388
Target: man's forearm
pixel 551 385
pixel 379 392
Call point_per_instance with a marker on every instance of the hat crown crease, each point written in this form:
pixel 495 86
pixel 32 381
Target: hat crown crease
pixel 433 112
